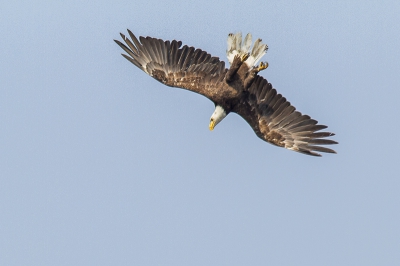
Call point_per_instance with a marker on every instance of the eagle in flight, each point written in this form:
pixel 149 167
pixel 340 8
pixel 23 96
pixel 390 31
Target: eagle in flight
pixel 238 89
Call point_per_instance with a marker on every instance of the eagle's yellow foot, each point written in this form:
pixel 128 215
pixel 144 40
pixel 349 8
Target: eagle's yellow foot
pixel 244 57
pixel 262 66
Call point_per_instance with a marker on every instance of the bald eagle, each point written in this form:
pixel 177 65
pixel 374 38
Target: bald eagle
pixel 238 89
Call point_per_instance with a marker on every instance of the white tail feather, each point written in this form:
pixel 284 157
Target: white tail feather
pixel 238 38
pixel 231 51
pixel 230 42
pixel 258 51
pixel 247 43
pixel 236 46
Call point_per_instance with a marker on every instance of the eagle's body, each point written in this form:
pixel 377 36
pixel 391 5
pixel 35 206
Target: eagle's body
pixel 238 89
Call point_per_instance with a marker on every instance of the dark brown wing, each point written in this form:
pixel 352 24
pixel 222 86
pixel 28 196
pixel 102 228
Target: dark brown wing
pixel 176 66
pixel 275 120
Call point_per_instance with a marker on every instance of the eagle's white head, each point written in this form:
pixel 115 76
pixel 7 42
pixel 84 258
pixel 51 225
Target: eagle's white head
pixel 217 116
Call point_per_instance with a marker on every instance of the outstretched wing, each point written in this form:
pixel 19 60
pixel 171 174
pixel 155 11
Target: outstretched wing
pixel 186 67
pixel 276 121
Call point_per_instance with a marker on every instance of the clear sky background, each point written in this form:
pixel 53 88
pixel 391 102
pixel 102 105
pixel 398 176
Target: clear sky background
pixel 102 165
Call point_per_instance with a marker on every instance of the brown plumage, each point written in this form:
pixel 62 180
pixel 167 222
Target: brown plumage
pixel 238 89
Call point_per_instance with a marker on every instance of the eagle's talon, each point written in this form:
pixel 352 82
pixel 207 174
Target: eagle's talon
pixel 262 66
pixel 245 56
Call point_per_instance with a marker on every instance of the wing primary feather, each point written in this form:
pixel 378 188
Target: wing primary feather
pixel 298 120
pixel 174 55
pixel 290 118
pixel 135 40
pixel 130 44
pixel 132 61
pixel 310 153
pixel 270 94
pixel 214 60
pixel 164 62
pixel 310 128
pixel 276 107
pixel 263 92
pixel 196 56
pixel 147 47
pixel 188 60
pixel 157 50
pixel 321 149
pixel 152 49
pixel 281 108
pixel 168 56
pixel 322 141
pixel 286 112
pixel 126 49
pixel 303 123
pixel 322 134
pixel 204 58
pixel 144 53
pixel 222 67
pixel 274 100
pixel 182 57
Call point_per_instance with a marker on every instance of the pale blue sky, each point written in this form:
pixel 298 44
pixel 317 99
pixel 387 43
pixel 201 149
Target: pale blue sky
pixel 102 165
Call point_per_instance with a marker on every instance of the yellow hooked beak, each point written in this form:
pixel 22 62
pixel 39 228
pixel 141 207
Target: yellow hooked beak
pixel 212 125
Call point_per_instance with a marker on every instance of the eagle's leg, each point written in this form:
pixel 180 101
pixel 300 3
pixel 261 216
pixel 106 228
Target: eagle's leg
pixel 236 63
pixel 252 74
